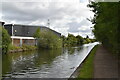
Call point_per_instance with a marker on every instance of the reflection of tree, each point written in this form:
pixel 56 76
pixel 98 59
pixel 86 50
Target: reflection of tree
pixel 30 59
pixel 16 61
pixel 6 63
pixel 79 48
pixel 71 50
pixel 46 56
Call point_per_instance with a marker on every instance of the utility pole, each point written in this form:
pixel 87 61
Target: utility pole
pixel 89 1
pixel 48 23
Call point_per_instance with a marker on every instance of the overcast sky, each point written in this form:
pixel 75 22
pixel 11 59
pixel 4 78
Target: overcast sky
pixel 66 16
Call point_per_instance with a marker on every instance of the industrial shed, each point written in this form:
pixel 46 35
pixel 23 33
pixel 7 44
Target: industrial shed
pixel 23 34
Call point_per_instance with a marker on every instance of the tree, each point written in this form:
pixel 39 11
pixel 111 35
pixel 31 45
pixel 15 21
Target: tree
pixel 64 40
pixel 49 40
pixel 106 20
pixel 79 40
pixel 37 33
pixel 71 40
pixel 5 40
pixel 87 36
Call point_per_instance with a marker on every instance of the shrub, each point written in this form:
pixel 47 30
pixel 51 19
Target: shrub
pixel 49 40
pixel 13 47
pixel 5 40
pixel 28 47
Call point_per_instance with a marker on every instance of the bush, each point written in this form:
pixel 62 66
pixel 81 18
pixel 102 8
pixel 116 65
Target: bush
pixel 49 40
pixel 12 47
pixel 23 47
pixel 79 40
pixel 5 40
pixel 71 40
pixel 28 47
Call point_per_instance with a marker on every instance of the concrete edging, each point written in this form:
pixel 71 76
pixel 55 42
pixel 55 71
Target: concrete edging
pixel 75 73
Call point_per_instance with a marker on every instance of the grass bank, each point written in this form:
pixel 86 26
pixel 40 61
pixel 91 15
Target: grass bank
pixel 87 69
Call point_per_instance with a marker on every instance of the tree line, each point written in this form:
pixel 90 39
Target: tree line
pixel 47 39
pixel 78 40
pixel 106 20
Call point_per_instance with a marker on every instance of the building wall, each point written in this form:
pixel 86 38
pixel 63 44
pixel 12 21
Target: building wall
pixel 9 29
pixel 24 30
pixel 21 30
pixel 18 31
pixel 28 42
pixel 16 42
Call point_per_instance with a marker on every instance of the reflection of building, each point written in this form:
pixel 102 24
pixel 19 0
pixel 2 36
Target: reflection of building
pixel 23 34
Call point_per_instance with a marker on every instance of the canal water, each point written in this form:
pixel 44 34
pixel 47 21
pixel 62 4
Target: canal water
pixel 59 63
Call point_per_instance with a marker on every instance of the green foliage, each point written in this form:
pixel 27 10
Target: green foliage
pixel 72 40
pixel 5 40
pixel 0 37
pixel 37 33
pixel 93 40
pixel 49 40
pixel 87 40
pixel 28 47
pixel 23 47
pixel 106 20
pixel 64 40
pixel 13 47
pixel 80 40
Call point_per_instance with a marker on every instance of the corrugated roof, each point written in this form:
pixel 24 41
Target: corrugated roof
pixel 33 26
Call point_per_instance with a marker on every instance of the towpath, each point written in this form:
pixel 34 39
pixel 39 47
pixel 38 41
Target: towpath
pixel 105 64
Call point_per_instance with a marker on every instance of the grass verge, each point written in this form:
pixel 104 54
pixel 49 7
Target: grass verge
pixel 86 70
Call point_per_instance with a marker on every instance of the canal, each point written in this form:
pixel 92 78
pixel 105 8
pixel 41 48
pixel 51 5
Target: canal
pixel 59 63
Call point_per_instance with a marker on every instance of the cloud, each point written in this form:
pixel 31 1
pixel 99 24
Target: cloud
pixel 73 27
pixel 65 16
pixel 77 26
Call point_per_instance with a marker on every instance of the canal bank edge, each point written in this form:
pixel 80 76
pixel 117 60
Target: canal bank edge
pixel 77 72
pixel 14 49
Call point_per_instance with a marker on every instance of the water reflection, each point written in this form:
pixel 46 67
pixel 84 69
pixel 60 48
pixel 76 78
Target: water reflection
pixel 59 63
pixel 15 62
